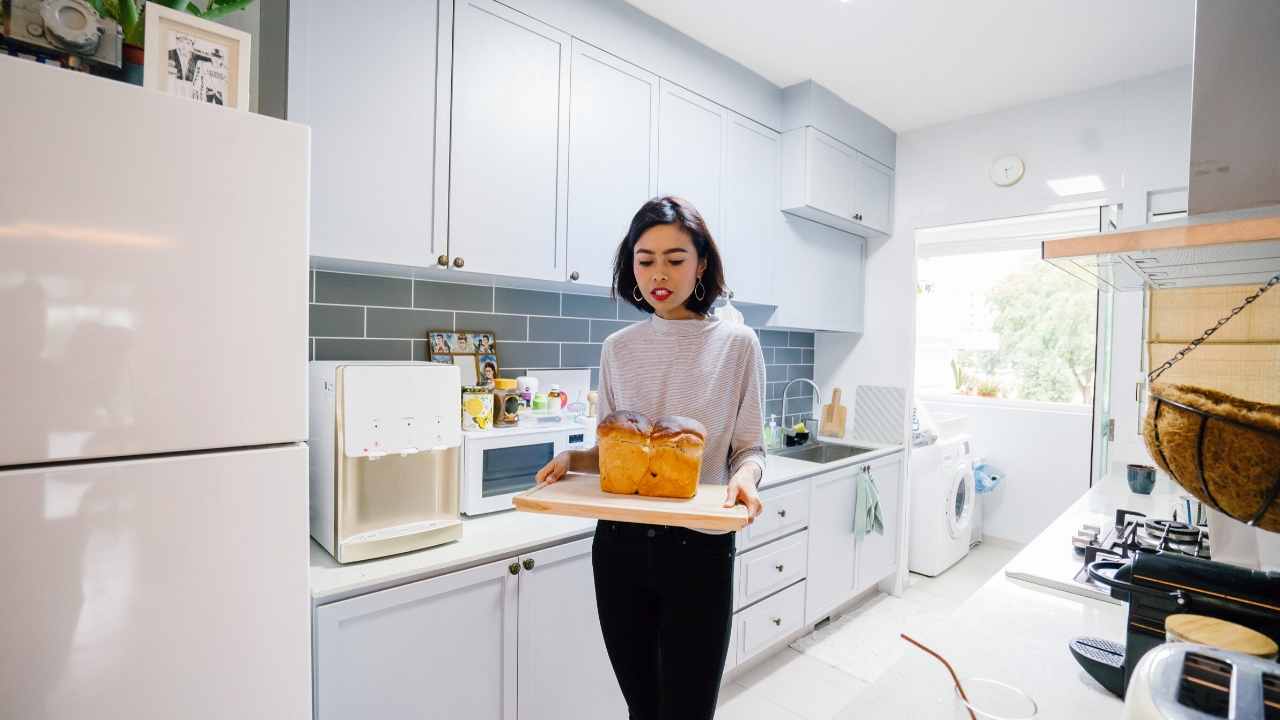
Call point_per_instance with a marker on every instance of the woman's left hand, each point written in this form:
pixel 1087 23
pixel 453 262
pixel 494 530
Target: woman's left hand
pixel 742 488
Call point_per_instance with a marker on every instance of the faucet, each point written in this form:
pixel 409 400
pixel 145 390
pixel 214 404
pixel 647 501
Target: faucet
pixel 817 399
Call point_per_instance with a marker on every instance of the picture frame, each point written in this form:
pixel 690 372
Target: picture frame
pixel 474 352
pixel 195 58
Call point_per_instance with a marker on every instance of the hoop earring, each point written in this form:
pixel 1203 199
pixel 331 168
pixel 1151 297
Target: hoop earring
pixel 635 293
pixel 701 287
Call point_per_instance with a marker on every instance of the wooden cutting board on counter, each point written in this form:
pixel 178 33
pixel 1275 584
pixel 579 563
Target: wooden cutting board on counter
pixel 834 416
pixel 580 496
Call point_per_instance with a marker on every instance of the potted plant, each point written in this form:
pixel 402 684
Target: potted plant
pixel 129 14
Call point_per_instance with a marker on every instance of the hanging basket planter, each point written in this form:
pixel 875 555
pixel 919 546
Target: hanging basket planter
pixel 1222 449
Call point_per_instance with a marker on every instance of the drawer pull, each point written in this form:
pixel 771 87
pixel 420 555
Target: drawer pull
pixel 782 513
pixel 777 621
pixel 779 567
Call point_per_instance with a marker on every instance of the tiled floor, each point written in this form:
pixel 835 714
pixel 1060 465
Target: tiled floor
pixel 822 672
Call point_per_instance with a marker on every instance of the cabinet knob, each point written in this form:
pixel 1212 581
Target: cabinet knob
pixel 574 275
pixel 528 563
pixel 514 568
pixel 782 513
pixel 777 621
pixel 443 261
pixel 779 567
pixel 458 262
pixel 857 216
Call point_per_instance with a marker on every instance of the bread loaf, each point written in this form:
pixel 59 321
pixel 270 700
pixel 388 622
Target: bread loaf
pixel 659 460
pixel 623 438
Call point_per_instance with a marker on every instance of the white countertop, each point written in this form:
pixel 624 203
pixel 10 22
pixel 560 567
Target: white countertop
pixel 1016 632
pixel 503 535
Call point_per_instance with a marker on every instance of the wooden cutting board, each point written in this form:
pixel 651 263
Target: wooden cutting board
pixel 834 416
pixel 580 496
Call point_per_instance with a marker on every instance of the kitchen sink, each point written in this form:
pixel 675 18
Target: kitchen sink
pixel 821 453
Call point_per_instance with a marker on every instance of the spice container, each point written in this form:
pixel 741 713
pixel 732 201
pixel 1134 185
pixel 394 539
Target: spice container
pixel 506 403
pixel 556 400
pixel 477 407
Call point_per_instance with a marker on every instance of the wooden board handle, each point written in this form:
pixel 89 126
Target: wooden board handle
pixel 835 396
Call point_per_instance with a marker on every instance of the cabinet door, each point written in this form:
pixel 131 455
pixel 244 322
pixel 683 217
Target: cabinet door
pixel 691 151
pixel 832 175
pixel 748 237
pixel 442 648
pixel 818 278
pixel 510 132
pixel 564 670
pixel 372 139
pixel 831 543
pixel 873 193
pixel 877 554
pixel 613 157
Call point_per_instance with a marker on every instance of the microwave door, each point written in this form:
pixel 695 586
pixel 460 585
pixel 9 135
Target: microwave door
pixel 498 472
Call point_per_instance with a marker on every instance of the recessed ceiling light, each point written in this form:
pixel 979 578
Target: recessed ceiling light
pixel 1080 185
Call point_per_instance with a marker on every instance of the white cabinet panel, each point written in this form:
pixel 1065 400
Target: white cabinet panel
pixel 830 575
pixel 690 151
pixel 441 648
pixel 510 127
pixel 873 194
pixel 831 179
pixel 769 568
pixel 749 232
pixel 564 670
pixel 771 620
pixel 372 129
pixel 877 554
pixel 818 278
pixel 786 508
pixel 613 157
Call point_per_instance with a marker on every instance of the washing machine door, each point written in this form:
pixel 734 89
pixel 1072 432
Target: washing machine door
pixel 960 497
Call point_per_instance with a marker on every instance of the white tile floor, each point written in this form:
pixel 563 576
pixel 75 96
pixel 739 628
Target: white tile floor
pixel 822 672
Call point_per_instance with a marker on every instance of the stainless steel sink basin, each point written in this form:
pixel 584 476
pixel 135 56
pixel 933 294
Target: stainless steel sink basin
pixel 821 453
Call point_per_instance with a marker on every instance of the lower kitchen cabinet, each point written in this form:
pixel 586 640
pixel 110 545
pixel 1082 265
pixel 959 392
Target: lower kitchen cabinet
pixel 440 648
pixel 876 555
pixel 770 620
pixel 512 640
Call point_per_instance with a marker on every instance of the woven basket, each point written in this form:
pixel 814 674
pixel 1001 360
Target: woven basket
pixel 1221 449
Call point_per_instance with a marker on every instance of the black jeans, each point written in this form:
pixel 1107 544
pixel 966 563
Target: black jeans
pixel 665 598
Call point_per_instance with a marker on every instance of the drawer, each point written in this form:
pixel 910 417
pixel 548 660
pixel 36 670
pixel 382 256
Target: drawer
pixel 767 568
pixel 786 508
pixel 770 620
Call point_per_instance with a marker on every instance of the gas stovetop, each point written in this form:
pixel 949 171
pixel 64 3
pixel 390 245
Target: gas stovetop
pixel 1134 532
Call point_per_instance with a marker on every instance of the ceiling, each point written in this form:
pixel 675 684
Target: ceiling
pixel 915 63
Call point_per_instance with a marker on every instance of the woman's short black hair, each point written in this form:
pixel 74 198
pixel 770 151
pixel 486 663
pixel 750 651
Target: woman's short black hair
pixel 669 210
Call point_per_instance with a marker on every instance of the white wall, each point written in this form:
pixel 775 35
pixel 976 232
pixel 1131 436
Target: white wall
pixel 1134 135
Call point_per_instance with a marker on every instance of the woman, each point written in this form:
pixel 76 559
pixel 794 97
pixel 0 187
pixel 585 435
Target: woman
pixel 665 594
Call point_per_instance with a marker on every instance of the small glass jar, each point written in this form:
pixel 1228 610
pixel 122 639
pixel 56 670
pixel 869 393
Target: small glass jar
pixel 506 403
pixel 477 407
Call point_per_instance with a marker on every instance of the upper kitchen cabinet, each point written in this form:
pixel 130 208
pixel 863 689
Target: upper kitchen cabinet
pixel 691 135
pixel 817 278
pixel 829 182
pixel 613 157
pixel 749 231
pixel 509 141
pixel 372 130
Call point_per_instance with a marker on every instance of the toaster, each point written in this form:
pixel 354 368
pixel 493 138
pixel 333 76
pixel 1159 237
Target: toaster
pixel 1182 681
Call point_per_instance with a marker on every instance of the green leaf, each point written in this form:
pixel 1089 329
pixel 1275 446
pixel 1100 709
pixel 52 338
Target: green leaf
pixel 222 8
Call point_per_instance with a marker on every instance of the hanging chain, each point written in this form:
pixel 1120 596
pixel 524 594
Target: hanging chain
pixel 1207 333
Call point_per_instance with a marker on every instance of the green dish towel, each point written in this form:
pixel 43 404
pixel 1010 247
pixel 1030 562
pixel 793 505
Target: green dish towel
pixel 866 508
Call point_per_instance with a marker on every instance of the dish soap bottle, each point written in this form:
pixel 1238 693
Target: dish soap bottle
pixel 773 435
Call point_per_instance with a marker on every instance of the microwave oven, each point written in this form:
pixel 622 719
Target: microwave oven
pixel 500 463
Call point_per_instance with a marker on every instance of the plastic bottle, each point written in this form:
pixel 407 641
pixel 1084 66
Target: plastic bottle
pixel 773 438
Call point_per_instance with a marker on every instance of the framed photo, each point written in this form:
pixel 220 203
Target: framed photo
pixel 476 353
pixel 195 58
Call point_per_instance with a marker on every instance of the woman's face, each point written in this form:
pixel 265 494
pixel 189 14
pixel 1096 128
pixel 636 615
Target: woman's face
pixel 667 268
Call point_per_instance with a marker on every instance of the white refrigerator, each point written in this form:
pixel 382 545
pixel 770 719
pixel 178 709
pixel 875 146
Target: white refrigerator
pixel 153 479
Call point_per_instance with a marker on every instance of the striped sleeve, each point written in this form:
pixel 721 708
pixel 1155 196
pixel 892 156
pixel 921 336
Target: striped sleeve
pixel 747 445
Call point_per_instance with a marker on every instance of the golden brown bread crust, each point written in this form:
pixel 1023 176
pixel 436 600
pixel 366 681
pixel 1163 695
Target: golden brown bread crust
pixel 622 465
pixel 626 425
pixel 674 468
pixel 670 427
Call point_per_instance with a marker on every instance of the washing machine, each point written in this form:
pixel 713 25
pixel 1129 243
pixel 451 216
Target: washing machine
pixel 943 498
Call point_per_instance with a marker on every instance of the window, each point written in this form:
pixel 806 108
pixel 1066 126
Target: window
pixel 994 320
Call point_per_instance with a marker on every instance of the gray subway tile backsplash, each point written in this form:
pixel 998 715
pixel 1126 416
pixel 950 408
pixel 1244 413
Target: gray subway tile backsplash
pixel 526 302
pixel 601 329
pixel 348 289
pixel 336 321
pixel 405 323
pixel 588 306
pixel 559 329
pixel 529 354
pixel 361 349
pixel 536 330
pixel 452 296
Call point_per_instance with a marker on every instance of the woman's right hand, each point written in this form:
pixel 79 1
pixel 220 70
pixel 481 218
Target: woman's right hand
pixel 555 469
